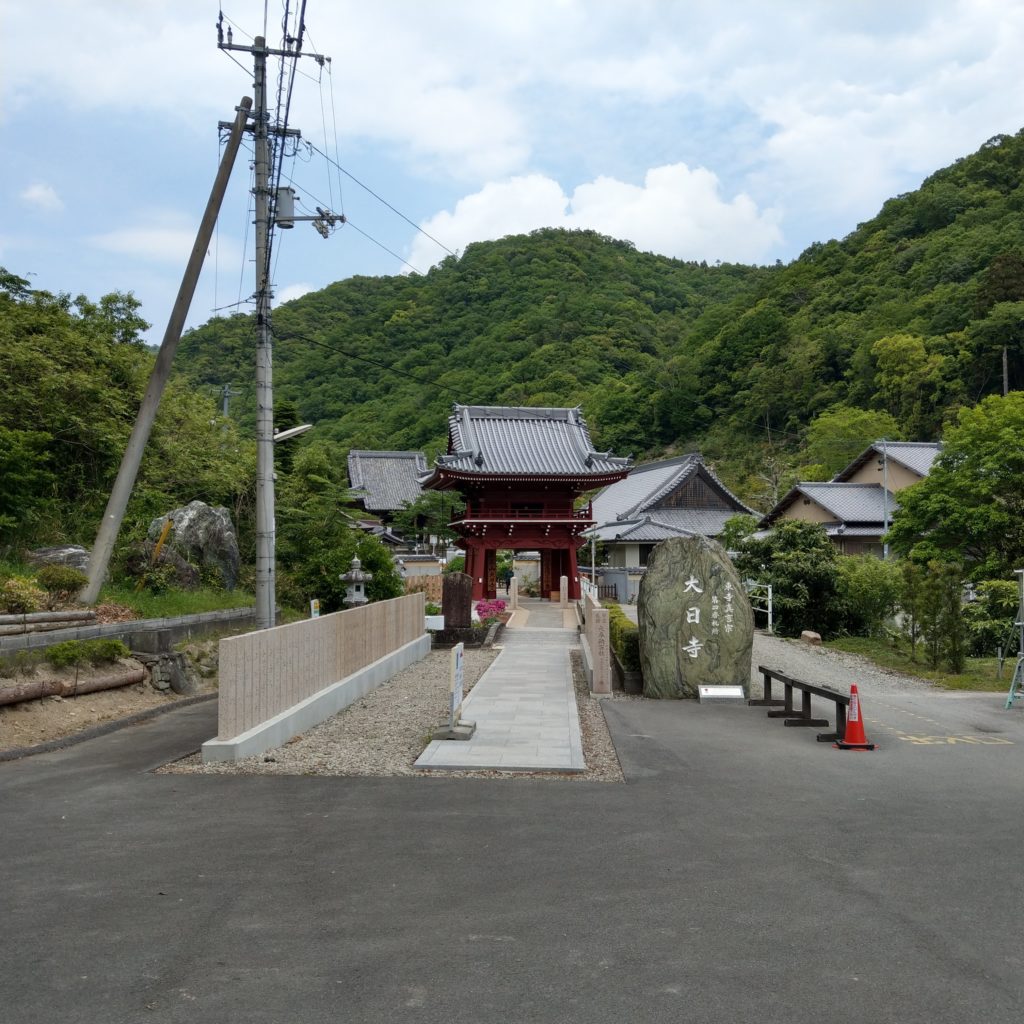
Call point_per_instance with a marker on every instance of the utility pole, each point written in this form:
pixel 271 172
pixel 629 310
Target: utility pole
pixel 110 526
pixel 885 498
pixel 266 604
pixel 227 392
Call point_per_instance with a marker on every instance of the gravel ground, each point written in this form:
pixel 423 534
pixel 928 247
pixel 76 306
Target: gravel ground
pixel 827 667
pixel 385 731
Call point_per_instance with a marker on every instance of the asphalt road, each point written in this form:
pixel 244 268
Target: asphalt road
pixel 744 873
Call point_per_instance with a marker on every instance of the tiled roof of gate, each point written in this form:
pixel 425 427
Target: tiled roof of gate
pixel 523 441
pixel 389 479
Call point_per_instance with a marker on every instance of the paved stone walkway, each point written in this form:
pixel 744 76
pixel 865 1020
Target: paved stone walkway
pixel 524 705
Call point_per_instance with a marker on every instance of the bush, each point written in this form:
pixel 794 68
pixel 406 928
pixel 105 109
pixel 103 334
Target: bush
pixel 20 596
pixel 61 582
pixel 457 564
pixel 80 652
pixel 489 611
pixel 624 636
pixel 870 589
pixel 800 563
pixel 430 608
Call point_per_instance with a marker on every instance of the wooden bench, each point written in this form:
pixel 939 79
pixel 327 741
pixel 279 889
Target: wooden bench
pixel 801 717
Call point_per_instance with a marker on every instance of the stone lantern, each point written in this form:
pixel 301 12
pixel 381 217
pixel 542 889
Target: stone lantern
pixel 355 581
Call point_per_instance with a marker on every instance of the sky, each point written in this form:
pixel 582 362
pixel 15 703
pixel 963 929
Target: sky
pixel 734 131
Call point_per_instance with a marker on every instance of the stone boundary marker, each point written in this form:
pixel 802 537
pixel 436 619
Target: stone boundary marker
pixel 148 635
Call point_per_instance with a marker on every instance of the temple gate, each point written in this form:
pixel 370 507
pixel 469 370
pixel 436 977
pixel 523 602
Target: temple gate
pixel 520 472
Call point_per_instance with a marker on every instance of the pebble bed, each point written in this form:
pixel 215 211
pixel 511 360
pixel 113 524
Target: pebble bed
pixel 383 733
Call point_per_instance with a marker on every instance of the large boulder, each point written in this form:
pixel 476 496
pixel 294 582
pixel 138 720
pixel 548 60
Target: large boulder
pixel 696 623
pixel 204 536
pixel 72 555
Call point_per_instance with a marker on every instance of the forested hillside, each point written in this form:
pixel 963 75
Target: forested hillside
pixel 907 316
pixel 769 370
pixel 72 375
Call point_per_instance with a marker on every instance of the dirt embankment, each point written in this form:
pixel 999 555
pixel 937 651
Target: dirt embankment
pixel 36 721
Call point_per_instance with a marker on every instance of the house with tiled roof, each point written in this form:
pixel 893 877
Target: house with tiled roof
pixel 672 498
pixel 384 482
pixel 856 507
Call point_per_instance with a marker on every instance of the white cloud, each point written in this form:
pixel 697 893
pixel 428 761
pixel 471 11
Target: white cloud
pixel 678 211
pixel 43 196
pixel 157 244
pixel 290 292
pixel 165 237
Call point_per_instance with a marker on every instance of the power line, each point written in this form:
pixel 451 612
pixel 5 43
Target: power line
pixel 391 252
pixel 381 199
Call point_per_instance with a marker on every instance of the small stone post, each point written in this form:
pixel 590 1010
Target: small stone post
pixel 563 592
pixel 513 593
pixel 600 649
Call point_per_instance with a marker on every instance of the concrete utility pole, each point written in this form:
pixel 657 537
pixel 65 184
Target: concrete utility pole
pixel 885 496
pixel 227 392
pixel 110 526
pixel 265 523
pixel 265 532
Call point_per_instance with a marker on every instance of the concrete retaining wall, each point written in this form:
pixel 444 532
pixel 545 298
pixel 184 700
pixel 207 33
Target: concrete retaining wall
pixel 274 680
pixel 315 709
pixel 597 656
pixel 148 635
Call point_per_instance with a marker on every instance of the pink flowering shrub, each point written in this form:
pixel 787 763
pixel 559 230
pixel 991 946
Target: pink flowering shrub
pixel 489 609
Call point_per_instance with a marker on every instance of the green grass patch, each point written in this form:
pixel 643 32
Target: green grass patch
pixel 175 602
pixel 979 673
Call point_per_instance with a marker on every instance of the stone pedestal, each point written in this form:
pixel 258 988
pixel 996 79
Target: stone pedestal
pixel 563 592
pixel 457 600
pixel 513 593
pixel 696 623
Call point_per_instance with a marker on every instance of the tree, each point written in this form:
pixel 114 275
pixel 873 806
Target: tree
pixel 970 507
pixel 836 437
pixel 430 515
pixel 799 561
pixel 736 530
pixel 316 538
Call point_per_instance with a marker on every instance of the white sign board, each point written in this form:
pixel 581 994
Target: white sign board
pixel 314 608
pixel 456 683
pixel 731 694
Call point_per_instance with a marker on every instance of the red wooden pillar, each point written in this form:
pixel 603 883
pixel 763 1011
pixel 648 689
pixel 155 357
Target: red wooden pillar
pixel 475 567
pixel 490 573
pixel 573 573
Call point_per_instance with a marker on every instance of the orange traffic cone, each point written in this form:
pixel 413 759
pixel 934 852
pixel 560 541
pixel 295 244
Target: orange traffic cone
pixel 854 738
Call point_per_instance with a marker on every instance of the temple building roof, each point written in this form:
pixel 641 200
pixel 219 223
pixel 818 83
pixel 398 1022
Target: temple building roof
pixel 387 480
pixel 673 496
pixel 515 442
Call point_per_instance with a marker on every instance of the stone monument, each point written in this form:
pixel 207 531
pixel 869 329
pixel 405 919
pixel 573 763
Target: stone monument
pixel 457 600
pixel 696 623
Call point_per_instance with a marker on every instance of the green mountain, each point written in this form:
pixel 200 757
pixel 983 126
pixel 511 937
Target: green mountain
pixel 771 371
pixel 907 315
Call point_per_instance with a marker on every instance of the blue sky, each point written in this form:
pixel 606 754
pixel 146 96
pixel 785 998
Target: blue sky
pixel 720 131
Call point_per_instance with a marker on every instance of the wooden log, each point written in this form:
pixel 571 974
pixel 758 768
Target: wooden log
pixel 72 616
pixel 31 689
pixel 90 684
pixel 34 689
